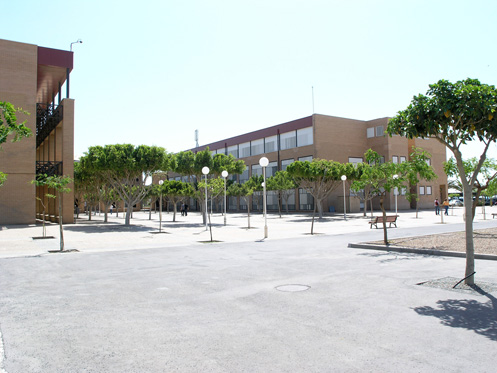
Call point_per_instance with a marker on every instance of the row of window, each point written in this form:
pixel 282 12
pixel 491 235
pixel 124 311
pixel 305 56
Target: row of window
pixel 375 132
pixel 287 140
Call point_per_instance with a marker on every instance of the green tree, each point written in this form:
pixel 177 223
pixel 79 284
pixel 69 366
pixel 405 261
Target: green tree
pixel 284 184
pixel 454 114
pixel 9 126
pixel 243 191
pixel 59 185
pixel 127 168
pixel 176 191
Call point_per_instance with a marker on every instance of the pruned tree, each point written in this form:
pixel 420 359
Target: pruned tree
pixel 454 114
pixel 284 184
pixel 127 168
pixel 176 191
pixel 243 191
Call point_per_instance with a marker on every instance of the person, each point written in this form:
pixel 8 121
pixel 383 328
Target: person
pixel 437 207
pixel 186 209
pixel 446 205
pixel 182 209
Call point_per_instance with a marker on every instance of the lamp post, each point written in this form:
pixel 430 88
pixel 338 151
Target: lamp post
pixel 344 177
pixel 224 174
pixel 264 162
pixel 396 193
pixel 79 41
pixel 205 171
pixel 160 206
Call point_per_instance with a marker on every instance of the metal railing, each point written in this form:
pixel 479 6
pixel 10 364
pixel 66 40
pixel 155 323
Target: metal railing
pixel 48 116
pixel 49 168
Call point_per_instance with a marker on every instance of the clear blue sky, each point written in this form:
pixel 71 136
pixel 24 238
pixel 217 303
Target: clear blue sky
pixel 153 72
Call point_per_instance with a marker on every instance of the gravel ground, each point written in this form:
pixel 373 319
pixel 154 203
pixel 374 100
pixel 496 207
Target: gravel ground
pixel 485 241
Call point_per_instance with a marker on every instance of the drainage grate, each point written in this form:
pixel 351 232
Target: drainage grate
pixel 292 288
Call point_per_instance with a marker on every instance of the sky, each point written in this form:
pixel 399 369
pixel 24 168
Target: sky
pixel 153 72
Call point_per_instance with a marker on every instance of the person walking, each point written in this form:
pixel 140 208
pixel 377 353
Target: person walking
pixel 437 207
pixel 446 205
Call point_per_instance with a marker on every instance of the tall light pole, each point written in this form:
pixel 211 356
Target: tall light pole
pixel 160 206
pixel 224 174
pixel 205 171
pixel 344 177
pixel 263 163
pixel 396 193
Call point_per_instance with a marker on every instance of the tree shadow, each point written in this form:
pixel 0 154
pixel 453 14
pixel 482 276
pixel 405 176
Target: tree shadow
pixel 469 314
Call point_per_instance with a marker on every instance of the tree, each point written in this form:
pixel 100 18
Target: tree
pixel 243 191
pixel 9 126
pixel 454 114
pixel 255 183
pixel 59 185
pixel 488 173
pixel 284 184
pixel 127 168
pixel 177 191
pixel 320 178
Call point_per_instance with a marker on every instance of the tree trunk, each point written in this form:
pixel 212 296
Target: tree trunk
pixel 470 250
pixel 385 234
pixel 174 211
pixel 105 216
pixel 313 215
pixel 248 214
pixel 127 219
pixel 89 212
pixel 320 208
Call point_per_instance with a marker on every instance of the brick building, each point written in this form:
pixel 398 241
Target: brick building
pixel 333 138
pixel 32 78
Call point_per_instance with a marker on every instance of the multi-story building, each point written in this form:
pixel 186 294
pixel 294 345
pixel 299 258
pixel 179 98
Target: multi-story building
pixel 332 138
pixel 32 78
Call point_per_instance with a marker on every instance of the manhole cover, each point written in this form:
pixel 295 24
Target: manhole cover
pixel 292 288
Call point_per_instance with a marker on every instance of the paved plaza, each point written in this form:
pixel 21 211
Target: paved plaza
pixel 134 300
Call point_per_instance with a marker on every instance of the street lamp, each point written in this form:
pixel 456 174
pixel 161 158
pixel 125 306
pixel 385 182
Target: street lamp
pixel 396 193
pixel 205 171
pixel 79 41
pixel 160 206
pixel 263 163
pixel 224 174
pixel 344 177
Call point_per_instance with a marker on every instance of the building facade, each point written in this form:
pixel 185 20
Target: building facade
pixel 33 78
pixel 332 138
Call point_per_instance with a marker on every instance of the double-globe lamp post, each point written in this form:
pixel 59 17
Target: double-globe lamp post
pixel 160 206
pixel 224 174
pixel 205 171
pixel 263 162
pixel 344 177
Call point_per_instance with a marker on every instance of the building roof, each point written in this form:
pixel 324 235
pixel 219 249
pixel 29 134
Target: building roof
pixel 53 65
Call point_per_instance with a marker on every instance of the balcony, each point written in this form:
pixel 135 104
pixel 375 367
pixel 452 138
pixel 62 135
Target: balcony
pixel 49 168
pixel 48 116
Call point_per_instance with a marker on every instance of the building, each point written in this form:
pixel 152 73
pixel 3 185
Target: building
pixel 33 78
pixel 332 138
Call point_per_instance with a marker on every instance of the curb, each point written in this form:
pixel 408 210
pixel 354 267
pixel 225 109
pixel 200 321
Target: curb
pixel 400 249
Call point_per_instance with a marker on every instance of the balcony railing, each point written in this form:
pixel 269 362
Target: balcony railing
pixel 49 168
pixel 47 118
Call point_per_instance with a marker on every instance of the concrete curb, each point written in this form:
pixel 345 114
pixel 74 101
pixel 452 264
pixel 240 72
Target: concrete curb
pixel 419 251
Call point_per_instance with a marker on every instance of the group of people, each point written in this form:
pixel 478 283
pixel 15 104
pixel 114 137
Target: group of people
pixel 445 205
pixel 184 209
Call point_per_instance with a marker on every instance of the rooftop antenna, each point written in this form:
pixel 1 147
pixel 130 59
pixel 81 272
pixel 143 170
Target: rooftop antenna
pixel 196 138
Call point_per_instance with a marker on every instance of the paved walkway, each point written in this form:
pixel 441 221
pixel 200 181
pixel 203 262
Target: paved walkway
pixel 94 235
pixel 133 301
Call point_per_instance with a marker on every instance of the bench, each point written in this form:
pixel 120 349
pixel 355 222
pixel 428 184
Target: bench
pixel 391 219
pixel 494 215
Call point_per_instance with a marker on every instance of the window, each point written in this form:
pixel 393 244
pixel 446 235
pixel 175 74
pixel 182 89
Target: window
pixel 428 190
pixel 272 200
pixel 379 131
pixel 428 162
pixel 244 176
pixel 285 163
pixel 288 140
pixel 382 159
pixel 257 147
pixel 306 201
pixel 403 191
pixel 370 132
pixel 256 170
pixel 213 152
pixel 233 150
pixel 271 144
pixel 232 203
pixel 402 159
pixel 271 169
pixel 304 136
pixel 305 159
pixel 244 150
pixel 288 199
pixel 355 160
pixel 395 159
pixel 421 191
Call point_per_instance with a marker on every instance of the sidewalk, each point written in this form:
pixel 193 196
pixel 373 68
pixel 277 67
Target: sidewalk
pixel 96 236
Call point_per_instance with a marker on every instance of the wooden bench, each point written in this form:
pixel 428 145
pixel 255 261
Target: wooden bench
pixel 391 219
